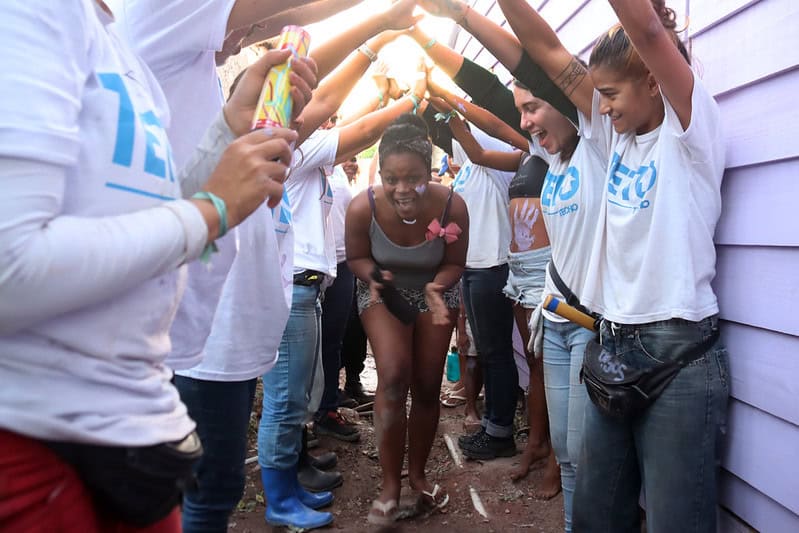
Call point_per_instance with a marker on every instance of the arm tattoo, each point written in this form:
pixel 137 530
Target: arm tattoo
pixel 571 76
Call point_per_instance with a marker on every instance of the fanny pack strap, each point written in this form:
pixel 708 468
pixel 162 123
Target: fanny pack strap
pixel 566 292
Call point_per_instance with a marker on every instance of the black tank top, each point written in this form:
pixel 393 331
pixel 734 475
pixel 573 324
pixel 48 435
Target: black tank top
pixel 529 179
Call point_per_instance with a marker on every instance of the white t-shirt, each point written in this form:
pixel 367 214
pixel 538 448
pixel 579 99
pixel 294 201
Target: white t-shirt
pixel 485 192
pixel 570 202
pixel 92 279
pixel 178 39
pixel 311 199
pixel 219 333
pixel 342 196
pixel 252 311
pixel 654 258
pixel 179 46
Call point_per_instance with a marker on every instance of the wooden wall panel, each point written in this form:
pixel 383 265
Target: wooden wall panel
pixel 761 122
pixel 753 507
pixel 706 14
pixel 758 286
pixel 763 369
pixel 759 205
pixel 750 46
pixel 756 444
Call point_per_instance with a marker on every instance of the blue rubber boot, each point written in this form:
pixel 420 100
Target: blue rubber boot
pixel 314 500
pixel 283 507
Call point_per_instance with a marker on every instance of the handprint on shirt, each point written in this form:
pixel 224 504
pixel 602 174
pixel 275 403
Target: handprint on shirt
pixel 524 218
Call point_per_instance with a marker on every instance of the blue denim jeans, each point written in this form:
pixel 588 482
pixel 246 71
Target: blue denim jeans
pixel 287 387
pixel 336 306
pixel 564 347
pixel 672 449
pixel 490 316
pixel 222 412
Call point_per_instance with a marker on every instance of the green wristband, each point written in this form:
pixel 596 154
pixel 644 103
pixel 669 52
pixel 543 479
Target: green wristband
pixel 416 101
pixel 430 44
pixel 219 205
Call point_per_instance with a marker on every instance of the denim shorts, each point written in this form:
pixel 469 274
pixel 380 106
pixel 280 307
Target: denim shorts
pixel 526 276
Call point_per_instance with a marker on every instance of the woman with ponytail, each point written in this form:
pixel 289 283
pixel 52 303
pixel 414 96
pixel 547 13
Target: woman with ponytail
pixel 651 266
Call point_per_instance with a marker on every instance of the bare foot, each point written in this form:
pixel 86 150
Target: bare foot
pixel 550 484
pixel 471 423
pixel 531 455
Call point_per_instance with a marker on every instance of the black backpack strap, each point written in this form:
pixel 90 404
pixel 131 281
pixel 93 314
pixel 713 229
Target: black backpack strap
pixel 566 292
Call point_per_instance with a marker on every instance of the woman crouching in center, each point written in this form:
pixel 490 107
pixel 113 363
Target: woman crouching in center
pixel 415 233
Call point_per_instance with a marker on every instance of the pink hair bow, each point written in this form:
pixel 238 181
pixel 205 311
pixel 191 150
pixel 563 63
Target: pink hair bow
pixel 449 233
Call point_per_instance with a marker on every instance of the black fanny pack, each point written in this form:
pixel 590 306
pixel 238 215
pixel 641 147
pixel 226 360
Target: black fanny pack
pixel 137 485
pixel 623 392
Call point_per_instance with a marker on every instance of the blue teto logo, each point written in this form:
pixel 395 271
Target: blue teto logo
pixel 628 187
pixel 559 190
pixel 158 156
pixel 462 177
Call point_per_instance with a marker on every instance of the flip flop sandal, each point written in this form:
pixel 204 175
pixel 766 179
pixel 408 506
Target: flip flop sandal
pixel 429 502
pixel 383 513
pixel 454 399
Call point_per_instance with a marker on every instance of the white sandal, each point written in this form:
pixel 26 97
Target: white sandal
pixel 388 513
pixel 429 502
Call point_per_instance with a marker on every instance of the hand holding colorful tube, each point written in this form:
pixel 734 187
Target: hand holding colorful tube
pixel 275 104
pixel 570 313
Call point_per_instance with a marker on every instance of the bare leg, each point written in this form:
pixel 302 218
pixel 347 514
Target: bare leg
pixel 429 351
pixel 538 446
pixel 391 343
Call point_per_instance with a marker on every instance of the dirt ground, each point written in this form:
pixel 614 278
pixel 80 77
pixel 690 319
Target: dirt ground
pixel 510 506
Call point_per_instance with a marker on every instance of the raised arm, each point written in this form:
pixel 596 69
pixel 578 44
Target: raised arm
pixel 447 59
pixel 300 16
pixel 544 47
pixel 333 51
pixel 658 51
pixel 506 47
pixel 507 161
pixel 367 130
pixel 334 89
pixel 503 45
pixel 378 100
pixel 480 117
pixel 249 12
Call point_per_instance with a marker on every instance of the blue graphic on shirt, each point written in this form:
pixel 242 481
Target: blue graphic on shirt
pixel 284 214
pixel 558 190
pixel 153 163
pixel 462 177
pixel 158 155
pixel 628 187
pixel 328 194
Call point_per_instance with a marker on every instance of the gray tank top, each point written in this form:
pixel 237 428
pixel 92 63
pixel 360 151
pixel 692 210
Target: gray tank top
pixel 412 266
